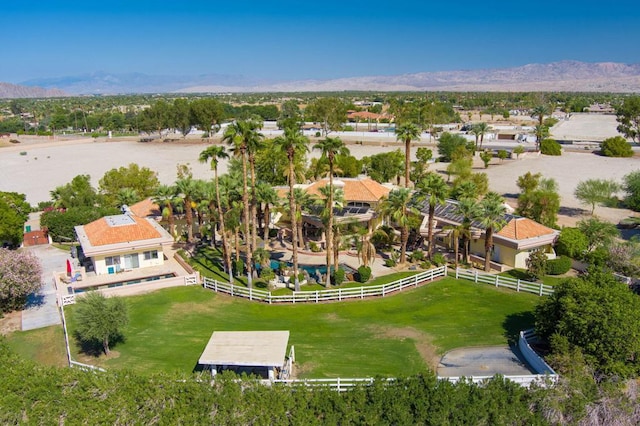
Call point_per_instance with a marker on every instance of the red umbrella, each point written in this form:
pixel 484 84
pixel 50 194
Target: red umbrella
pixel 68 268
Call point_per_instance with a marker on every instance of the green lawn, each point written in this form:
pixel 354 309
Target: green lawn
pixel 44 345
pixel 522 274
pixel 390 337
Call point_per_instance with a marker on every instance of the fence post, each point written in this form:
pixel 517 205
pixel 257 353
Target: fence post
pixel 232 289
pixel 446 270
pixel 338 381
pixel 476 278
pixel 497 280
pixel 317 293
pixel 339 294
pixel 415 280
pixel 518 287
pixel 457 269
pixel 541 285
pixel 361 292
pixel 250 293
pixel 383 290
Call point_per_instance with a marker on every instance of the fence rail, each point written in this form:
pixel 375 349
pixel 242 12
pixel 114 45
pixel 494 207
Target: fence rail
pixel 318 296
pixel 85 367
pixel 501 281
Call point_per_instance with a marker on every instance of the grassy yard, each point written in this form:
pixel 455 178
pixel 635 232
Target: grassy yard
pixel 397 335
pixel 522 274
pixel 44 345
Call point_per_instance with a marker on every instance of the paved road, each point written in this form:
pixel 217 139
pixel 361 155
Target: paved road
pixel 42 310
pixel 486 361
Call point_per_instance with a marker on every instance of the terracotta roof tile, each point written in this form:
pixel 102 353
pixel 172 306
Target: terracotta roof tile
pixel 521 228
pixel 145 208
pixel 101 233
pixel 365 190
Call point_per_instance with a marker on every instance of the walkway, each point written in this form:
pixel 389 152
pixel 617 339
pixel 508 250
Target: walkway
pixel 42 309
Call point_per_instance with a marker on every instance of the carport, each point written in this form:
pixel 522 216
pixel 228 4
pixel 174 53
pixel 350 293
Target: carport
pixel 261 353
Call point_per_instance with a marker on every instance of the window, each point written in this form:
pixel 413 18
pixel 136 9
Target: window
pixel 153 254
pixel 112 260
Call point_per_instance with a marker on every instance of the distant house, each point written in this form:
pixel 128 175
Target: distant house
pixel 123 242
pixel 511 245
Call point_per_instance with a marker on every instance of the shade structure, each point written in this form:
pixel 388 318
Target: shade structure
pixel 246 348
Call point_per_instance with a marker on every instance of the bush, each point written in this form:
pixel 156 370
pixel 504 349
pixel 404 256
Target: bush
pixel 558 266
pixel 572 242
pixel 550 147
pixel 364 274
pixel 238 267
pixel 616 147
pixel 315 248
pixel 439 259
pixel 338 276
pixel 417 256
pixel 267 274
pixel 389 263
pixel 317 134
pixel 425 265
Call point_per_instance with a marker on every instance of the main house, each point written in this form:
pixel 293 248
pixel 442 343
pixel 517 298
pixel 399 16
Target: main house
pixel 512 245
pixel 123 242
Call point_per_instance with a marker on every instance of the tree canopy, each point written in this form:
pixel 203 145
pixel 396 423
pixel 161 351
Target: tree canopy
pixel 141 181
pixel 100 319
pixel 14 212
pixel 19 277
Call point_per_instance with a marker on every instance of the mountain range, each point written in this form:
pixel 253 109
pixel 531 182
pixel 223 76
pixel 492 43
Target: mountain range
pixel 571 76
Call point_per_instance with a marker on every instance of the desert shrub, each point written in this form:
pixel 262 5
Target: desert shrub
pixel 616 147
pixel 390 263
pixel 317 134
pixel 438 259
pixel 558 266
pixel 338 276
pixel 364 274
pixel 314 247
pixel 550 147
pixel 425 265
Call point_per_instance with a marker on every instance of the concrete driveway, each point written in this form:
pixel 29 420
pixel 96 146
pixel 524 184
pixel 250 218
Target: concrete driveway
pixel 486 361
pixel 42 309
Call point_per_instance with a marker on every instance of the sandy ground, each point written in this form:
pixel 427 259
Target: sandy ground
pixel 48 164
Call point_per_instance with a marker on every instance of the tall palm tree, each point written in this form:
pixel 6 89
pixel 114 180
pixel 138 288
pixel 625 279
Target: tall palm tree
pixel 330 147
pixel 434 189
pixel 336 198
pixel 302 201
pixel 268 197
pixel 397 207
pixel 164 197
pixel 187 188
pixel 215 153
pixel 539 112
pixel 292 142
pixel 406 133
pixel 469 209
pixel 254 142
pixel 237 135
pixel 366 249
pixel 492 211
pixel 480 129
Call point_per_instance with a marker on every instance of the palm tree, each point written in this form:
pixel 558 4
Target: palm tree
pixel 336 197
pixel 434 189
pixel 187 188
pixel 254 142
pixel 215 153
pixel 302 200
pixel 292 142
pixel 542 131
pixel 407 132
pixel 268 197
pixel 397 207
pixel 366 249
pixel 127 196
pixel 237 135
pixel 330 147
pixel 469 209
pixel 164 197
pixel 492 211
pixel 480 129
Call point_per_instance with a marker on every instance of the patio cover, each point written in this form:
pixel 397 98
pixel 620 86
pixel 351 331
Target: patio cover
pixel 246 348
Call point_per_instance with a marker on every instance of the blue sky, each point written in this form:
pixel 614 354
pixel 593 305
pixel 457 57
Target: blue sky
pixel 285 40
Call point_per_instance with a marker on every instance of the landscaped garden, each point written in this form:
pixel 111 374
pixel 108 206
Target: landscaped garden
pixel 394 336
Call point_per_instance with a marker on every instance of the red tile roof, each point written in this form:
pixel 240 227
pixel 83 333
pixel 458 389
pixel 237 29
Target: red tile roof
pixel 366 190
pixel 101 233
pixel 145 208
pixel 521 228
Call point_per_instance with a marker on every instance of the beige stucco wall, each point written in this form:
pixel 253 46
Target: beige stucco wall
pixel 101 267
pixel 507 255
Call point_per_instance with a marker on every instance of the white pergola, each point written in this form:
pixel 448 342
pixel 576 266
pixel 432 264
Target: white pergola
pixel 245 349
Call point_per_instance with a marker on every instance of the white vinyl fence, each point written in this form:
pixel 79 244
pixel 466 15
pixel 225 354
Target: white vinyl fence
pixel 338 294
pixel 508 282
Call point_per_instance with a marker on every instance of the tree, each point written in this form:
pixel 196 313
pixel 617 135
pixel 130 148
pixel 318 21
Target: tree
pixel 181 116
pixel 165 198
pixel 541 130
pixel 537 264
pixel 539 199
pixel 518 150
pixel 632 187
pixel 486 157
pixel 77 193
pixel 616 147
pixel 60 223
pixel 448 144
pixel 572 242
pixel 100 319
pixel 19 277
pixel 292 142
pixel 502 154
pixel 214 154
pixel 141 180
pixel 207 114
pixel 550 147
pixel 331 113
pixel 14 212
pixel 406 133
pixel 469 209
pixel 397 207
pixel 598 315
pixel 290 115
pixel 492 211
pixel 628 115
pixel 156 118
pixel 479 130
pixel 595 191
pixel 420 167
pixel 386 166
pixel 598 232
pixel 434 190
pixel 186 188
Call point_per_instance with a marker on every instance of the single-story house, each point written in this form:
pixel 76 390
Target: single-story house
pixel 123 242
pixel 511 245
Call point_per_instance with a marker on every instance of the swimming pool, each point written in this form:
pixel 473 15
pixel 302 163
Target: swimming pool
pixel 312 270
pixel 125 283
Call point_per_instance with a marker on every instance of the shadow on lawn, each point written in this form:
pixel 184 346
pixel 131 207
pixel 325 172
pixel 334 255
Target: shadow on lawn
pixel 94 348
pixel 515 323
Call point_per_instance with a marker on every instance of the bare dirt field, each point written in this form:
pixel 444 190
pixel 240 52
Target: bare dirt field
pixel 50 163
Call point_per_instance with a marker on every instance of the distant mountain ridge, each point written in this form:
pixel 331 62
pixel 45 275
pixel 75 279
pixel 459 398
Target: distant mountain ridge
pixel 573 76
pixel 8 90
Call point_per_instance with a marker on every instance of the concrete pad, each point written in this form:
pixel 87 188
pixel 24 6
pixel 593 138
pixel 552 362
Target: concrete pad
pixel 485 361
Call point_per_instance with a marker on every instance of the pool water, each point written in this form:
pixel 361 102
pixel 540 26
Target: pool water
pixel 125 283
pixel 312 270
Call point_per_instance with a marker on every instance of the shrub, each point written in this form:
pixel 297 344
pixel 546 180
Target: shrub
pixel 616 147
pixel 238 267
pixel 338 276
pixel 389 263
pixel 550 147
pixel 317 134
pixel 267 274
pixel 572 242
pixel 314 247
pixel 439 259
pixel 425 265
pixel 558 266
pixel 417 256
pixel 363 275
pixel 23 152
